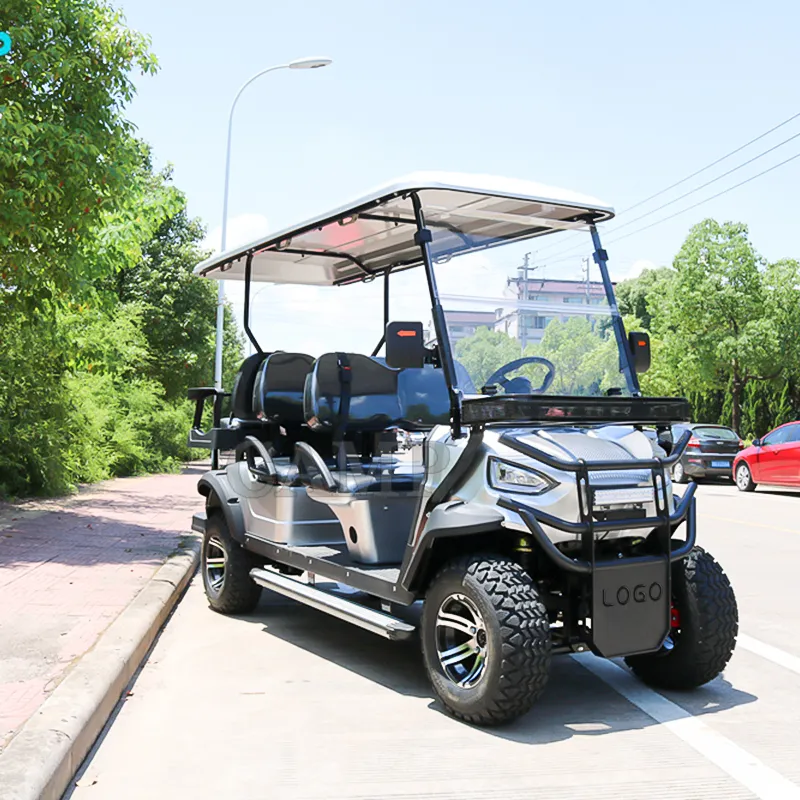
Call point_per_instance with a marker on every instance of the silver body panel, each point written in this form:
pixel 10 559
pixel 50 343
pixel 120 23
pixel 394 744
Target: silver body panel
pixel 377 526
pixel 282 514
pixel 611 442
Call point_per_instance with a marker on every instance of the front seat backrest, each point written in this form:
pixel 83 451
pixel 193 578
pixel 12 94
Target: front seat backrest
pixel 278 388
pixel 424 398
pixel 374 402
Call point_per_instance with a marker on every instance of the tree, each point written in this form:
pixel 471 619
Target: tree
pixel 642 296
pixel 484 352
pixel 178 308
pixel 721 326
pixel 68 154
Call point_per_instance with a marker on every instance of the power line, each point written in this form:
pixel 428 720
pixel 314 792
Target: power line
pixel 712 164
pixel 695 174
pixel 690 192
pixel 694 205
pixel 707 183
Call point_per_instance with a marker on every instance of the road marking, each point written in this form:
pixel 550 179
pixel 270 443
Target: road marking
pixel 769 652
pixel 740 765
pixel 750 524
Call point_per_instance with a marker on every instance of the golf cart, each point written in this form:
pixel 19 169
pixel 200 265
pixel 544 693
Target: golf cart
pixel 540 520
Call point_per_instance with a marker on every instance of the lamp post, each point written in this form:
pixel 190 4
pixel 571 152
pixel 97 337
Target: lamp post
pixel 301 63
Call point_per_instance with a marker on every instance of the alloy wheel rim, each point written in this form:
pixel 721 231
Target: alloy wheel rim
pixel 216 559
pixel 742 476
pixel 677 471
pixel 461 640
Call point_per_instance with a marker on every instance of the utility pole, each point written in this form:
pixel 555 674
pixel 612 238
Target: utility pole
pixel 585 261
pixel 589 316
pixel 522 315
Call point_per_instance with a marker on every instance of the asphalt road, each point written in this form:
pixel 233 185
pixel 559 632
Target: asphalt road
pixel 291 703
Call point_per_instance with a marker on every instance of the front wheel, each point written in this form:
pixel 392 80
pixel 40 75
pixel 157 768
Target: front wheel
pixel 485 639
pixel 705 622
pixel 744 478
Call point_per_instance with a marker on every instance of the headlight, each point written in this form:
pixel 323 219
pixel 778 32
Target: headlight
pixel 510 477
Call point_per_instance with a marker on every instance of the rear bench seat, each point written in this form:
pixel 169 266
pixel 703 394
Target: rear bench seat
pixel 277 399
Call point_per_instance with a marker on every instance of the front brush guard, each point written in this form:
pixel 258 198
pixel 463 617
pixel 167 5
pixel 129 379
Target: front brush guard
pixel 631 597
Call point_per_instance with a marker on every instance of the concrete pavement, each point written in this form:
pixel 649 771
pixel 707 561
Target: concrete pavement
pixel 290 703
pixel 69 569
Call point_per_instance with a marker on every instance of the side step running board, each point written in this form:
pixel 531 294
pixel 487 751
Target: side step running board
pixel 367 618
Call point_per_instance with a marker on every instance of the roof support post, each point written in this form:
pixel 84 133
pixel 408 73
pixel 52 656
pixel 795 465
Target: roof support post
pixel 423 239
pixel 248 268
pixel 625 355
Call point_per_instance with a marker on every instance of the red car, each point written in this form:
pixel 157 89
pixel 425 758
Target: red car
pixel 774 459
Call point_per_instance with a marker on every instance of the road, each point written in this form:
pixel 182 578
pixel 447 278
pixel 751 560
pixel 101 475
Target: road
pixel 291 703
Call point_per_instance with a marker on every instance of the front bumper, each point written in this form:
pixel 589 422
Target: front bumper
pixel 629 599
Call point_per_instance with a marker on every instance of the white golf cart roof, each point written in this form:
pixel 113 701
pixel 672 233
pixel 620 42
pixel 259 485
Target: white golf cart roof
pixel 377 232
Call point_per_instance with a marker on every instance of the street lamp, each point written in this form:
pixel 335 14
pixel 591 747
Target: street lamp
pixel 300 63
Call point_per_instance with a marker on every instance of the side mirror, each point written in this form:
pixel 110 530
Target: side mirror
pixel 405 348
pixel 639 343
pixel 756 443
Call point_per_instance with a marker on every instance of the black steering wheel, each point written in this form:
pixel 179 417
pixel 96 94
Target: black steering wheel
pixel 522 385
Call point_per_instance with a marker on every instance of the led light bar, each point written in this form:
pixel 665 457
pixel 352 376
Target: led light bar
pixel 615 497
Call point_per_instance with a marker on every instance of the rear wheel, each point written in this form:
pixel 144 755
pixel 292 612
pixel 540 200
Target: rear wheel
pixel 485 639
pixel 226 569
pixel 705 622
pixel 679 473
pixel 744 478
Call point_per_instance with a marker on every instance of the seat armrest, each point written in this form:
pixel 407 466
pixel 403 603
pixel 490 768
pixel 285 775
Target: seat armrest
pixel 200 394
pixel 309 463
pixel 246 449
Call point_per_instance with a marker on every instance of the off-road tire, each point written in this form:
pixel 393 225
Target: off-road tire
pixel 745 484
pixel 518 641
pixel 709 623
pixel 238 594
pixel 679 473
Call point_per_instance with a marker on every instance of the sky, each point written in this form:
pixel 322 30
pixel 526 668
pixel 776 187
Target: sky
pixel 617 100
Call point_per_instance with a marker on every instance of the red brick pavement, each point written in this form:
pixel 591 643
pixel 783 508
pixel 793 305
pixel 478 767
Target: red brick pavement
pixel 66 574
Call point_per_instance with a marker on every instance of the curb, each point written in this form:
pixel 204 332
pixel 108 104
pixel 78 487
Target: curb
pixel 41 760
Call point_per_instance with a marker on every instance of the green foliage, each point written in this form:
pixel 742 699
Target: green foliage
pixel 178 308
pixel 103 324
pixel 68 158
pixel 642 297
pixel 483 352
pixel 584 356
pixel 724 329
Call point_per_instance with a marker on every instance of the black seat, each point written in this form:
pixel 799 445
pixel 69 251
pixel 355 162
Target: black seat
pixel 380 397
pixel 313 471
pixel 263 467
pixel 278 388
pixel 374 404
pixel 242 392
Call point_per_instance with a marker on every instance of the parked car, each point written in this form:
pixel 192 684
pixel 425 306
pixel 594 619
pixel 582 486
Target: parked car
pixel 709 454
pixel 773 459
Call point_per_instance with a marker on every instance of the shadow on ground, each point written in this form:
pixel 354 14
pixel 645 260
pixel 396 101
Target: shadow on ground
pixel 129 520
pixel 575 703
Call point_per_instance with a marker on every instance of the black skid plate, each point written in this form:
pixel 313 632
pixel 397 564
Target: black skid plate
pixel 630 606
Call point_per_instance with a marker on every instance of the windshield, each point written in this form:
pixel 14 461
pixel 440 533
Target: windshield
pixel 517 326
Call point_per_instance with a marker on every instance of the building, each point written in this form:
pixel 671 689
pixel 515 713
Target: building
pixel 552 296
pixel 532 304
pixel 461 324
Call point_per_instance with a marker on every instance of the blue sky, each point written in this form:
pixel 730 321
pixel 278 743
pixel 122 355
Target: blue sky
pixel 616 100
